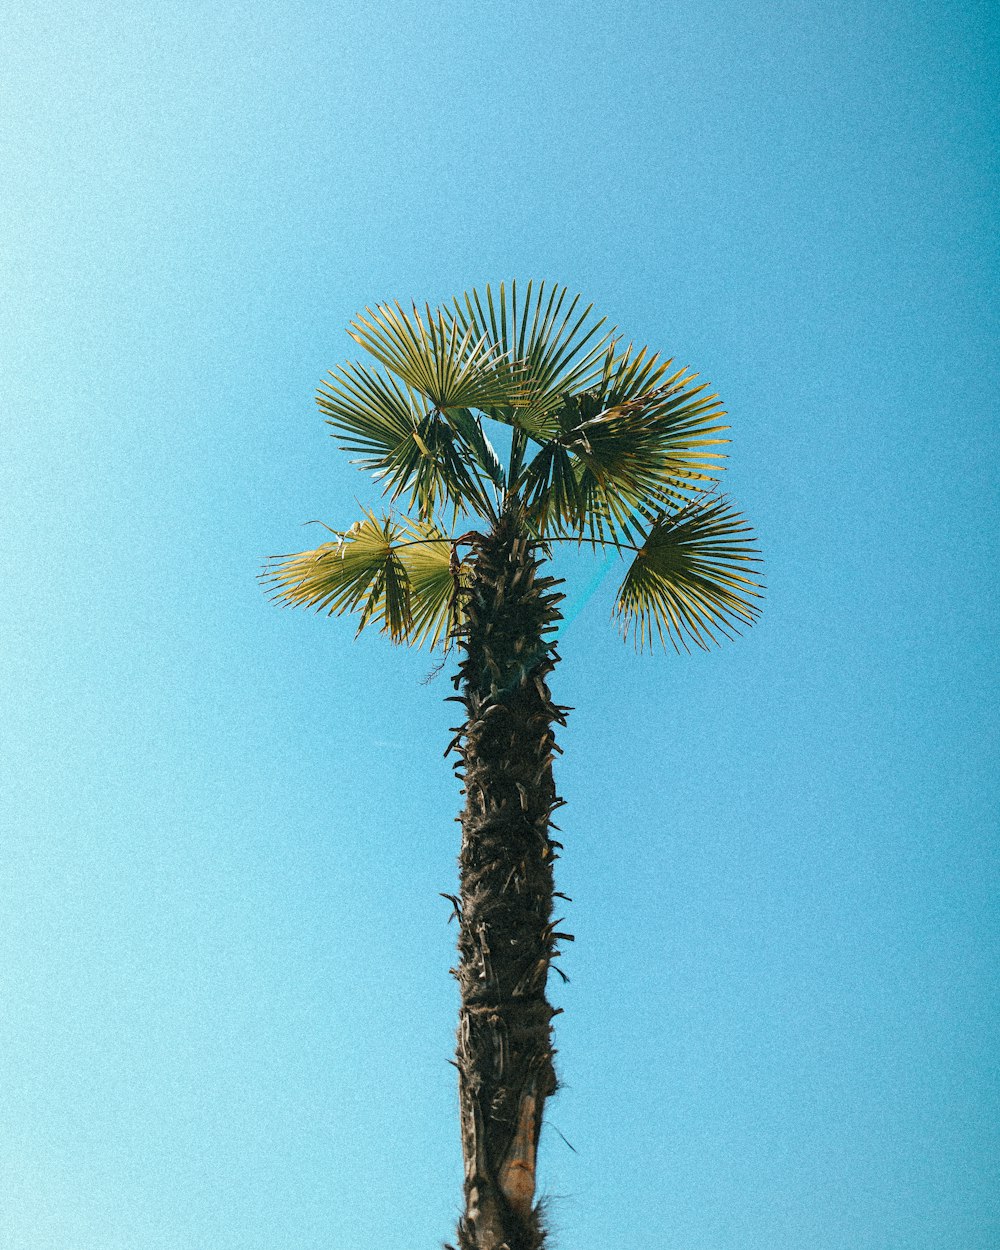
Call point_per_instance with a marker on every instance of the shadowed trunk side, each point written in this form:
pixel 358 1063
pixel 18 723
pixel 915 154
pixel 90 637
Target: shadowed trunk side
pixel 506 938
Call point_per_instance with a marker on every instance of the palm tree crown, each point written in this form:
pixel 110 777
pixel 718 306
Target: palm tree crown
pixel 609 446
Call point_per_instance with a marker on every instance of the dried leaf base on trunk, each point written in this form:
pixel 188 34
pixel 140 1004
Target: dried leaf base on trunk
pixel 506 937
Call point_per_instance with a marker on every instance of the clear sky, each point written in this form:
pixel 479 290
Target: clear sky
pixel 225 1010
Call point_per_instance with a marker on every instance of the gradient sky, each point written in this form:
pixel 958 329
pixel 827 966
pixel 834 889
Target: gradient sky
pixel 225 1012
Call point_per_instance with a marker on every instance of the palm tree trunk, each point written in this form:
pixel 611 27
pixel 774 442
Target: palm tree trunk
pixel 506 938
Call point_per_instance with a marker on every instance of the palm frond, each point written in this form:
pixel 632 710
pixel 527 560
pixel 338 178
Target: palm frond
pixel 545 342
pixel 360 572
pixel 436 579
pixel 675 420
pixel 399 575
pixel 550 488
pixel 637 440
pixel 693 577
pixel 451 365
pixel 408 446
pixel 470 429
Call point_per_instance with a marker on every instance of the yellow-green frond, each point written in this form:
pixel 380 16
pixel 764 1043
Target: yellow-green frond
pixel 547 339
pixel 675 419
pixel 693 578
pixel 436 577
pixel 403 441
pixel 452 366
pixel 398 575
pixel 359 572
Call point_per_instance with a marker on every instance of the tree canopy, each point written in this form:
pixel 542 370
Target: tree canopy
pixel 609 446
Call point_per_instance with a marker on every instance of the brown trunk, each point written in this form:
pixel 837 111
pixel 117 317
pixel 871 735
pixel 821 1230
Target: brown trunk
pixel 506 938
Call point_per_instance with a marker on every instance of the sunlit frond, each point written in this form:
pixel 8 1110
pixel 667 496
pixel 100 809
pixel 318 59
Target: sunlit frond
pixel 412 449
pixel 359 572
pixel 451 365
pixel 679 421
pixel 547 340
pixel 436 577
pixel 636 441
pixel 400 575
pixel 693 577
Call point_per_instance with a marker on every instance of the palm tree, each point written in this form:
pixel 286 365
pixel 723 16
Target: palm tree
pixel 609 447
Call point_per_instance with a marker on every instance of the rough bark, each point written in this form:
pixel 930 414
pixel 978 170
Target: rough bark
pixel 507 937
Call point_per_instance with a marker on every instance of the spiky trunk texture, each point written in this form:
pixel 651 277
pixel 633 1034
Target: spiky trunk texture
pixel 506 938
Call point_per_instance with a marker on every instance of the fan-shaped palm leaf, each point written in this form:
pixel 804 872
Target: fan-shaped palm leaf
pixel 404 442
pixel 360 572
pixel 673 419
pixel 546 341
pixel 399 574
pixel 692 577
pixel 436 577
pixel 453 366
pixel 633 442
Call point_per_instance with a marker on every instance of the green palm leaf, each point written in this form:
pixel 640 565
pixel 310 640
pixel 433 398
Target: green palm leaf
pixel 360 572
pixel 469 428
pixel 545 342
pixel 451 365
pixel 634 442
pixel 397 574
pixel 673 419
pixel 404 442
pixel 436 578
pixel 551 492
pixel 692 578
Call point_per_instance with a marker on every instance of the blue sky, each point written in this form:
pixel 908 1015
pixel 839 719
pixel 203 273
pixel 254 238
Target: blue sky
pixel 226 1012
